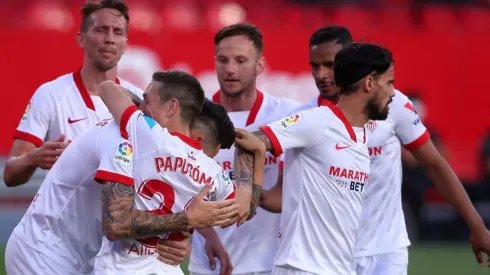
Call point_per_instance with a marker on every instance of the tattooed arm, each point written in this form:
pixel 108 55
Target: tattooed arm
pixel 120 220
pixel 249 167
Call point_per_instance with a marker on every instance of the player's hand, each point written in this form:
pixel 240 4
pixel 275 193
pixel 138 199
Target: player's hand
pixel 174 252
pixel 215 249
pixel 249 141
pixel 480 242
pixel 203 214
pixel 45 156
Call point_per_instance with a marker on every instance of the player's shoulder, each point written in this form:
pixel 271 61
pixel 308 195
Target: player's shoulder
pixel 400 99
pixel 305 106
pixel 130 86
pixel 55 87
pixel 274 102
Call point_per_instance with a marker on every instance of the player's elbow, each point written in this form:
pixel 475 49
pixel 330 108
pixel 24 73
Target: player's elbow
pixel 10 179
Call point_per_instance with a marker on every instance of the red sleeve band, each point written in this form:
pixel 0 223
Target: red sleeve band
pixel 281 164
pixel 418 142
pixel 125 119
pixel 28 137
pixel 102 176
pixel 276 146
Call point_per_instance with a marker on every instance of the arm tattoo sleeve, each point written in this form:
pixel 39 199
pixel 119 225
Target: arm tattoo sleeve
pixel 254 203
pixel 265 139
pixel 243 167
pixel 120 220
pixel 244 160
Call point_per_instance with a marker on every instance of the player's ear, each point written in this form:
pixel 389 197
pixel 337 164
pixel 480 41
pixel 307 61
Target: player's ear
pixel 260 67
pixel 81 39
pixel 369 83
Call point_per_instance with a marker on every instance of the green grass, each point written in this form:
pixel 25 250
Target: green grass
pixel 424 260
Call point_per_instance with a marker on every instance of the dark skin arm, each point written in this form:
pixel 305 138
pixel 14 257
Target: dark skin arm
pixel 271 200
pixel 448 184
pixel 120 220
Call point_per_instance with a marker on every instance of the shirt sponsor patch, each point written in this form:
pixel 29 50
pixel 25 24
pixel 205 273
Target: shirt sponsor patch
pixel 124 153
pixel 290 121
pixel 27 111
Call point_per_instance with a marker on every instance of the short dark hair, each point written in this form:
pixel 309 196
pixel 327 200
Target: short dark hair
pixel 90 7
pixel 337 34
pixel 357 61
pixel 183 87
pixel 250 31
pixel 215 121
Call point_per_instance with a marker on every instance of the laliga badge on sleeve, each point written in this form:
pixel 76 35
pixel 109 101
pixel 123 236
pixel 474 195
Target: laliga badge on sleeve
pixel 124 153
pixel 290 121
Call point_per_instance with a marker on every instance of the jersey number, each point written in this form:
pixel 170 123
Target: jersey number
pixel 166 195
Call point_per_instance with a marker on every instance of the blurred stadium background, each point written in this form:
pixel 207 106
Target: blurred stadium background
pixel 441 53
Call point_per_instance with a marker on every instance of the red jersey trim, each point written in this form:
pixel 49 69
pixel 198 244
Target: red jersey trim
pixel 232 195
pixel 253 111
pixel 320 100
pixel 418 142
pixel 125 119
pixel 276 146
pixel 101 176
pixel 28 137
pixel 281 164
pixel 341 116
pixel 189 141
pixel 77 77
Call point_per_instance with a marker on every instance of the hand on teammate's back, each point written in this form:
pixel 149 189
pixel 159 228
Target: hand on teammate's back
pixel 480 242
pixel 203 214
pixel 174 252
pixel 45 156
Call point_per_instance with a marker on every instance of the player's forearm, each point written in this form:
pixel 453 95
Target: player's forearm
pixel 271 200
pixel 120 220
pixel 115 98
pixel 208 233
pixel 258 178
pixel 448 184
pixel 18 170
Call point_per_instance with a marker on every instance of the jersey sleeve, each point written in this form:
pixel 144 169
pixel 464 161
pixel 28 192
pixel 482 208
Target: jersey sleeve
pixel 116 159
pixel 224 189
pixel 35 122
pixel 408 126
pixel 143 132
pixel 298 130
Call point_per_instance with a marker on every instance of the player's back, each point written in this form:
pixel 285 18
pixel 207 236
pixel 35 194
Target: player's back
pixel 63 222
pixel 169 170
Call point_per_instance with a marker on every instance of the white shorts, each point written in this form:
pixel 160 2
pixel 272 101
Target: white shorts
pixel 252 273
pixel 21 259
pixel 395 263
pixel 289 270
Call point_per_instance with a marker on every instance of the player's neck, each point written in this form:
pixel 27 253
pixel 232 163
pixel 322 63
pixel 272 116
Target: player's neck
pixel 177 126
pixel 353 108
pixel 92 77
pixel 243 102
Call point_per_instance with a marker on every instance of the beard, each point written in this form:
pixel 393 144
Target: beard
pixel 245 87
pixel 374 111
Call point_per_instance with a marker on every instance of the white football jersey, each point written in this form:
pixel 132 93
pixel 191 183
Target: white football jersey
pixel 326 171
pixel 169 170
pixel 63 106
pixel 382 228
pixel 63 222
pixel 253 245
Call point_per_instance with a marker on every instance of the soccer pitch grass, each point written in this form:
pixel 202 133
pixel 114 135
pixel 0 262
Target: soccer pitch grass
pixel 438 259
